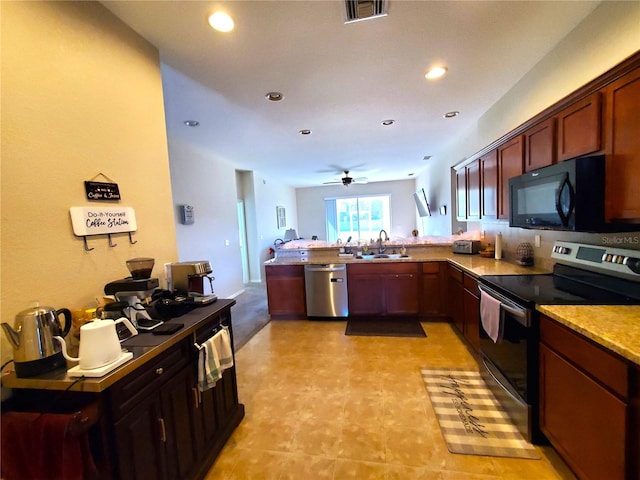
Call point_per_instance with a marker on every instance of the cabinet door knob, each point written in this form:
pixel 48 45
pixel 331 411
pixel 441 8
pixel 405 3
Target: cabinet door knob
pixel 159 371
pixel 163 432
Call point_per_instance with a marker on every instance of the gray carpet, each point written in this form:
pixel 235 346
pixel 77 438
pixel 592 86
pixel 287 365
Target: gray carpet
pixel 249 314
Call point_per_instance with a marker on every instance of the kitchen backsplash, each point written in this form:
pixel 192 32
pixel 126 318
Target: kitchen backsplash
pixel 512 237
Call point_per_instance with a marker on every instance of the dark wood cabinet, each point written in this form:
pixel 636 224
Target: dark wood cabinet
pixel 622 117
pixel 468 185
pixel 580 128
pixel 464 305
pixel 471 309
pixel 138 442
pixel 433 298
pixel 510 158
pixel 473 190
pixel 588 404
pixel 461 194
pixel 489 185
pixel 540 145
pixel 455 296
pixel 285 290
pixel 383 289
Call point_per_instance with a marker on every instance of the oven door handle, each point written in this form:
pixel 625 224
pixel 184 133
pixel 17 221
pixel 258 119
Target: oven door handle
pixel 521 314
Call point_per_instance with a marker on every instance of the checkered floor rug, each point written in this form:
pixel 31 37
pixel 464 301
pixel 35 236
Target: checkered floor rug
pixel 470 419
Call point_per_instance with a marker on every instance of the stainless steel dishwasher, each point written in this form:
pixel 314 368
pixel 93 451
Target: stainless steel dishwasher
pixel 326 290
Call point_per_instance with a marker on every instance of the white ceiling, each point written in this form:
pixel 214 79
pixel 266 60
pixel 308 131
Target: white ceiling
pixel 340 80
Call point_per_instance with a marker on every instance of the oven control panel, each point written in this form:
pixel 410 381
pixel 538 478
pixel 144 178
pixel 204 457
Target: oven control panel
pixel 618 262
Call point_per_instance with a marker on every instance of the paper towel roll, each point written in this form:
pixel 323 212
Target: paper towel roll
pixel 498 255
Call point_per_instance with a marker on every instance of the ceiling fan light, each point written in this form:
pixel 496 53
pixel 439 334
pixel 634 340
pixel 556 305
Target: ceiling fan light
pixel 221 22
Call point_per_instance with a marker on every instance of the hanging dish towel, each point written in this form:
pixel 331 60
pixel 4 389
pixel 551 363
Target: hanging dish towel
pixel 209 371
pixel 490 316
pixel 222 342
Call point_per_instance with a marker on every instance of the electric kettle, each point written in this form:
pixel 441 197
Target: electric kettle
pixel 99 343
pixel 34 351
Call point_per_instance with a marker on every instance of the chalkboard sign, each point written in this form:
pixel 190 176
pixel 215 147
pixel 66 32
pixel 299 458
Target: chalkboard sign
pixel 102 191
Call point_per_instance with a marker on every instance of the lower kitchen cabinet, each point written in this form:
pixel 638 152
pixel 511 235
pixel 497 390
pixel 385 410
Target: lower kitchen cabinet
pixel 464 305
pixel 433 298
pixel 285 291
pixel 383 289
pixel 589 404
pixel 471 307
pixel 455 297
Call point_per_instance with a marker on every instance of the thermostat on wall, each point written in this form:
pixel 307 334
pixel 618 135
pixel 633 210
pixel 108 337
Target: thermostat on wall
pixel 186 214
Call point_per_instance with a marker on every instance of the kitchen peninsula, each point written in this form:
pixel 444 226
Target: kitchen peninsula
pixel 152 421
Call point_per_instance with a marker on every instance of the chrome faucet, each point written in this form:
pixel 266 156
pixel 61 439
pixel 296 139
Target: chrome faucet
pixel 381 246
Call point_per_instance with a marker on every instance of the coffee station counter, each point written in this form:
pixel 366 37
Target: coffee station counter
pixel 150 417
pixel 144 346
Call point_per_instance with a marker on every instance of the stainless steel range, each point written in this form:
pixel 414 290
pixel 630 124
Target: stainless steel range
pixel 582 275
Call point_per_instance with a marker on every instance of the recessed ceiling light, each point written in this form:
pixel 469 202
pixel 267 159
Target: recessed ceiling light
pixel 305 132
pixel 274 96
pixel 435 72
pixel 221 21
pixel 388 122
pixel 191 123
pixel 411 174
pixel 451 114
pixel 426 157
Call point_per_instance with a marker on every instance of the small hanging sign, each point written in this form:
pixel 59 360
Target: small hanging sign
pixel 102 191
pixel 102 220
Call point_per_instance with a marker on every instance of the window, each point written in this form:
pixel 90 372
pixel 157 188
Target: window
pixel 360 218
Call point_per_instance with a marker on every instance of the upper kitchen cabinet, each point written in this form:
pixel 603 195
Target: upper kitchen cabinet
pixel 468 192
pixel 579 128
pixel 540 145
pixel 489 185
pixel 622 128
pixel 510 160
pixel 461 194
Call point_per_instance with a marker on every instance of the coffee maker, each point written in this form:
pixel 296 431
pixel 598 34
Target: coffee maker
pixel 187 278
pixel 136 292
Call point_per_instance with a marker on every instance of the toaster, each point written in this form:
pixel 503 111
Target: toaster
pixel 469 247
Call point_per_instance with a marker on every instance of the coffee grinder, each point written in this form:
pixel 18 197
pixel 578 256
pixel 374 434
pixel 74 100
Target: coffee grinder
pixel 187 278
pixel 136 291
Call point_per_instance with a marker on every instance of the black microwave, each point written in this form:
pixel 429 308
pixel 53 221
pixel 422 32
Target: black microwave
pixel 565 196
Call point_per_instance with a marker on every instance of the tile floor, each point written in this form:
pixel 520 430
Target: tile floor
pixel 322 405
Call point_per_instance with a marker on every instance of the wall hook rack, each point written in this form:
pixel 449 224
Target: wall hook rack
pixel 90 221
pixel 86 246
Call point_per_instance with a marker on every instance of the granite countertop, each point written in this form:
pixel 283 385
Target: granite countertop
pixel 612 326
pixel 473 264
pixel 144 346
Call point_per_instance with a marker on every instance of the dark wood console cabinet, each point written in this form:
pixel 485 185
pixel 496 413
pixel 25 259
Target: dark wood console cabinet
pixel 154 422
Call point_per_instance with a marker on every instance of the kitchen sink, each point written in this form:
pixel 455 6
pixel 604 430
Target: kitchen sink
pixel 383 255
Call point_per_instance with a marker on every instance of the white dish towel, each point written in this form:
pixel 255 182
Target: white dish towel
pixel 490 316
pixel 215 356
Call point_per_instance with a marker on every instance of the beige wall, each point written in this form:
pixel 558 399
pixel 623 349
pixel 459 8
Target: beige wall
pixel 81 95
pixel 606 37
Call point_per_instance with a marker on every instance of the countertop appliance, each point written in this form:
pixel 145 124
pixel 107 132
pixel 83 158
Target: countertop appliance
pixel 582 275
pixel 136 292
pixel 569 195
pixel 187 278
pixel 34 351
pixel 326 290
pixel 469 247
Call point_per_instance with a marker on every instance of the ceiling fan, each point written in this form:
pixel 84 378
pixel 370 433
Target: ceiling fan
pixel 347 180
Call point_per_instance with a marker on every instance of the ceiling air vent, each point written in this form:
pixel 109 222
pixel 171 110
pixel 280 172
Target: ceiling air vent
pixel 364 9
